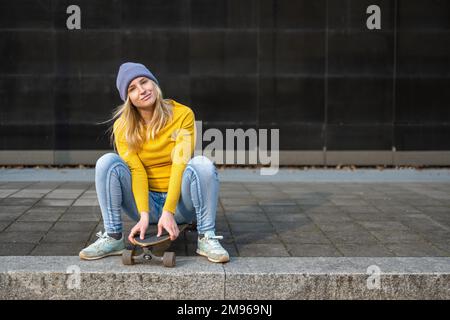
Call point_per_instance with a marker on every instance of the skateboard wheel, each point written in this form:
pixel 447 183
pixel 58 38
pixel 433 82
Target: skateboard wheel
pixel 169 259
pixel 127 257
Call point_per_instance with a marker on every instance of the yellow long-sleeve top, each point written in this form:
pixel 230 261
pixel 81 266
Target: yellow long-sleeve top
pixel 160 164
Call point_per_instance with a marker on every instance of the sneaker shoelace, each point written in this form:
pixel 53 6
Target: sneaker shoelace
pixel 101 236
pixel 214 241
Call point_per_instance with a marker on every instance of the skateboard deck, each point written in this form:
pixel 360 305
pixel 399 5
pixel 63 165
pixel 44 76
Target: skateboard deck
pixel 152 240
pixel 151 245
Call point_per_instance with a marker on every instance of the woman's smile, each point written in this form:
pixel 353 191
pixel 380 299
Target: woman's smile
pixel 145 98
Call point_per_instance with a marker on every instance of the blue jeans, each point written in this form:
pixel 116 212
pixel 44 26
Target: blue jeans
pixel 198 198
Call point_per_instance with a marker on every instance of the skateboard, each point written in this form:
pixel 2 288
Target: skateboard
pixel 154 248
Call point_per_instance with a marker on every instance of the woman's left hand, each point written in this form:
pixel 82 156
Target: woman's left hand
pixel 167 221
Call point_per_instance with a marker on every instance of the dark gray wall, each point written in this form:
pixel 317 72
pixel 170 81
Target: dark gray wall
pixel 310 68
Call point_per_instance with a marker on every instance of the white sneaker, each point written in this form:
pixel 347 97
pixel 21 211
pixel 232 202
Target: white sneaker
pixel 209 246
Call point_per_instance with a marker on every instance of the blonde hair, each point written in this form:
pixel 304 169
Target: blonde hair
pixel 133 125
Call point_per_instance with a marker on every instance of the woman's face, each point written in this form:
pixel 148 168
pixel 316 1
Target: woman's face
pixel 141 92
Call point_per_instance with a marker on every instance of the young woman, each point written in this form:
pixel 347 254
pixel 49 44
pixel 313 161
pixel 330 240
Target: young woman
pixel 153 178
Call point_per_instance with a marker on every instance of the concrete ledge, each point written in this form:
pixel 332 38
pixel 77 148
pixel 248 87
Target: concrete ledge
pixel 243 278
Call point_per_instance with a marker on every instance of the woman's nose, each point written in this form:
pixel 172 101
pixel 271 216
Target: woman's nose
pixel 141 89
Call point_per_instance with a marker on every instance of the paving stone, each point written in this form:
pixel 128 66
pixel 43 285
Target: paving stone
pixel 231 249
pixel 344 197
pixel 268 195
pixel 16 249
pixel 251 227
pixel 220 215
pixel 246 217
pixel 9 217
pixel 86 202
pixel 426 224
pixel 27 194
pixel 439 216
pixel 363 250
pixel 349 202
pixel 16 185
pixel 3 225
pixel 89 213
pixel 351 237
pixel 238 201
pixel 61 190
pixel 7 192
pixel 371 217
pixel 287 227
pixel 74 185
pixel 419 249
pixel 40 216
pixel 126 225
pixel 383 225
pixel 54 203
pixel 41 185
pixel 306 237
pixel 18 201
pixel 20 237
pixel 66 236
pixel 256 238
pixel 397 209
pixel 232 186
pixel 283 201
pixel 312 250
pixel 58 249
pixel 220 219
pixel 54 210
pixel 81 217
pixel 238 208
pixel 235 194
pixel 359 209
pixel 281 209
pixel 424 201
pixel 436 209
pixel 443 202
pixel 297 226
pixel 259 186
pixel 444 246
pixel 283 217
pixel 329 217
pixel 340 226
pixel 320 209
pixel 222 228
pixel 63 196
pixel 74 226
pixel 89 196
pixel 86 210
pixel 399 236
pixel 313 202
pixel 262 250
pixel 25 227
pixel 289 214
pixel 436 236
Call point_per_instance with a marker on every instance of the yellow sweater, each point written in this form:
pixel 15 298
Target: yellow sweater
pixel 154 168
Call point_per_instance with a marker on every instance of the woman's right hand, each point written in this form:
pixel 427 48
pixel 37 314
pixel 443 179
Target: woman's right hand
pixel 140 227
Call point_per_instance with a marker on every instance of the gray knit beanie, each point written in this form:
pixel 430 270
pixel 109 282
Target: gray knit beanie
pixel 129 71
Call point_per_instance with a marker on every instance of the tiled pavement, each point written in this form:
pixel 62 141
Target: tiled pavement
pixel 256 219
